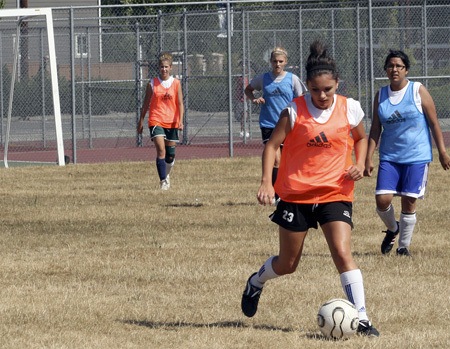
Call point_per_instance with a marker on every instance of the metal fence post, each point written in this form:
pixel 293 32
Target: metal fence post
pixel 138 84
pixel 229 70
pixel 371 63
pixel 72 75
pixel 185 80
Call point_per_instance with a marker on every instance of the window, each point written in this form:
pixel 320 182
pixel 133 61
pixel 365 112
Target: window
pixel 81 45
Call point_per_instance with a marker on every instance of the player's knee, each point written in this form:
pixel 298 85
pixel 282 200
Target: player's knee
pixel 170 154
pixel 344 262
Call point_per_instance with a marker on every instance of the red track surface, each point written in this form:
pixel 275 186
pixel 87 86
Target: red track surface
pixel 113 151
pixel 108 152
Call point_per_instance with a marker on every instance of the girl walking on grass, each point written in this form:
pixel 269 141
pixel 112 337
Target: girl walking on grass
pixel 164 103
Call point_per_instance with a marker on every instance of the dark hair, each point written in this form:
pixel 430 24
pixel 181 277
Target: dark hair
pixel 319 62
pixel 397 54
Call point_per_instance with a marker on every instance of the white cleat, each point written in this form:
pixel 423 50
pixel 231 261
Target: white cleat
pixel 164 184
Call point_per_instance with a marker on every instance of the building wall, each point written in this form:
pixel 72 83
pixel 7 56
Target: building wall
pixel 10 4
pixel 87 27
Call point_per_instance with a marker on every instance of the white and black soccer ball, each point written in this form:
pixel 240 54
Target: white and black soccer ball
pixel 338 319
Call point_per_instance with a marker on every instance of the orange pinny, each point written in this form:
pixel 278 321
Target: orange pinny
pixel 164 110
pixel 315 157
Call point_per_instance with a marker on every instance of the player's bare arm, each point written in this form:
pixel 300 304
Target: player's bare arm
pixel 429 110
pixel 374 137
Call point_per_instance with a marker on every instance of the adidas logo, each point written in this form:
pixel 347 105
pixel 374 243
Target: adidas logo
pixel 277 92
pixel 319 141
pixel 395 118
pixel 167 97
pixel 346 214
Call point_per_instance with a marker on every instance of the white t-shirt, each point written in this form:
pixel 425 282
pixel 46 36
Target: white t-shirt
pixel 166 83
pixel 395 97
pixel 354 111
pixel 298 86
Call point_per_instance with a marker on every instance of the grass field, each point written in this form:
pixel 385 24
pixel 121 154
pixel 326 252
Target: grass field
pixel 96 256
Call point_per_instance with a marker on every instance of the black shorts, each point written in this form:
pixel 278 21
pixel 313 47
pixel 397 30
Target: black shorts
pixel 301 217
pixel 169 134
pixel 266 133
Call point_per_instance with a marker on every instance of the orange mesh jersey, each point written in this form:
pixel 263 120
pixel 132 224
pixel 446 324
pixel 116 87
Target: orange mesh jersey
pixel 164 109
pixel 315 157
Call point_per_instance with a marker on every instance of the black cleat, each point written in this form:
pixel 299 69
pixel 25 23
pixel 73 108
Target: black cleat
pixel 250 298
pixel 403 251
pixel 389 240
pixel 365 328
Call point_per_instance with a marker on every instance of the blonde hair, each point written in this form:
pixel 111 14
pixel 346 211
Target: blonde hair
pixel 165 56
pixel 279 51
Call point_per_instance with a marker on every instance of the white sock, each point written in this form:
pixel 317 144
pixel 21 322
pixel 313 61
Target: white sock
pixel 169 167
pixel 388 218
pixel 265 273
pixel 352 283
pixel 407 224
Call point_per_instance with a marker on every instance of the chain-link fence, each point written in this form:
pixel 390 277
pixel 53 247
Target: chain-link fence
pixel 106 55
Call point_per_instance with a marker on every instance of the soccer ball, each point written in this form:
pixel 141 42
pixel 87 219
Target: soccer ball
pixel 338 319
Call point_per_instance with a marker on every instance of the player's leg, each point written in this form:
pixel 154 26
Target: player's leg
pixel 413 185
pixel 172 138
pixel 293 227
pixel 338 236
pixel 291 246
pixel 170 156
pixel 265 134
pixel 386 212
pixel 157 135
pixel 407 224
pixel 389 175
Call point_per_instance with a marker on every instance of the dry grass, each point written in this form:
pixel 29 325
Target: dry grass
pixel 95 256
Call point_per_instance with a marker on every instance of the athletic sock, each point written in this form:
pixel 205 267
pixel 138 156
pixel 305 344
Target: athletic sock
pixel 169 167
pixel 352 283
pixel 161 167
pixel 407 224
pixel 388 218
pixel 265 273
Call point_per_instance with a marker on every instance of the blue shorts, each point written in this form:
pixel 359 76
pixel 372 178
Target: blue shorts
pixel 402 179
pixel 300 217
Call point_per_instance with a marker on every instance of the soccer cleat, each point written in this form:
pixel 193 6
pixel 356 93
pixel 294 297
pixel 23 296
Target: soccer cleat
pixel 365 328
pixel 403 251
pixel 250 298
pixel 389 240
pixel 164 184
